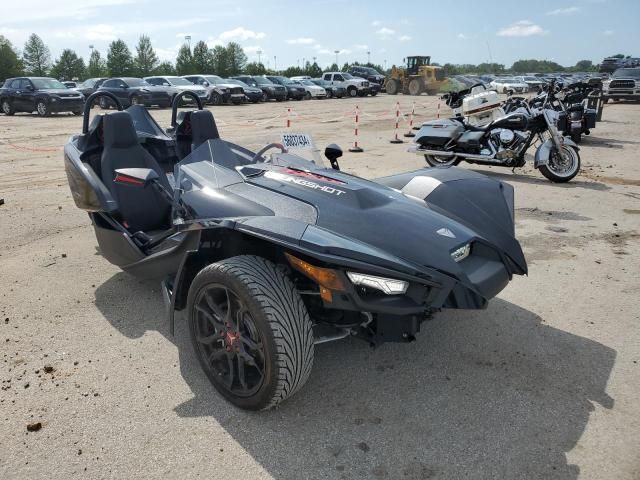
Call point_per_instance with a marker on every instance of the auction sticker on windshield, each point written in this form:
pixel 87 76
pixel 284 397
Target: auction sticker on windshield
pixel 296 140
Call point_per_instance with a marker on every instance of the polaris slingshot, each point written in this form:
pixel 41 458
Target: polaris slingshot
pixel 271 252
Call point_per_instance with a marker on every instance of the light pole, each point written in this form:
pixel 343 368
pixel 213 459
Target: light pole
pixel 314 59
pixel 275 63
pixel 188 39
pixel 259 52
pixel 385 64
pixel 368 57
pixel 336 52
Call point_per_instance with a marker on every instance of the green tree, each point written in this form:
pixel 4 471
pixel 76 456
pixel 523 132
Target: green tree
pixel 583 66
pixel 97 66
pixel 165 68
pixel 236 58
pixel 10 64
pixel 255 68
pixel 332 68
pixel 314 70
pixel 69 66
pixel 220 61
pixel 202 58
pixel 184 61
pixel 146 59
pixel 37 58
pixel 119 59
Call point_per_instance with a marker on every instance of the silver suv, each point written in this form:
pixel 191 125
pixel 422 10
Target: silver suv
pixel 353 85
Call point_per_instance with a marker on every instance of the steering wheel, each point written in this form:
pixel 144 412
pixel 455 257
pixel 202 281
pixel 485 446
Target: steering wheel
pixel 176 102
pixel 88 103
pixel 265 149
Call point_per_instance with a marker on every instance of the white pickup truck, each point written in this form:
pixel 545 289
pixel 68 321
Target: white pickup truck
pixel 355 86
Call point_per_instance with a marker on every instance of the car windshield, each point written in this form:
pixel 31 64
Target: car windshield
pixel 44 83
pixel 626 73
pixel 214 79
pixel 347 76
pixel 236 82
pixel 320 82
pixel 178 81
pixel 531 79
pixel 263 81
pixel 136 82
pixel 308 82
pixel 90 82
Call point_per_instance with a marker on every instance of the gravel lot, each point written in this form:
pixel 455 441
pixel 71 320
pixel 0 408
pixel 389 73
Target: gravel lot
pixel 543 384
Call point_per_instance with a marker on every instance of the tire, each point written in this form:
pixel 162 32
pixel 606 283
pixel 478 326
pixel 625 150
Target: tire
pixel 373 94
pixel 42 108
pixel 554 175
pixel 415 86
pixel 436 161
pixel 265 97
pixel 392 86
pixel 216 99
pixel 352 92
pixel 7 108
pixel 272 335
pixel 605 100
pixel 135 100
pixel 104 103
pixel 307 96
pixel 77 112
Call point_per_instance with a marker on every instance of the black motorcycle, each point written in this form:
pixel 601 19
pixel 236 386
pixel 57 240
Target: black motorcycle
pixel 504 141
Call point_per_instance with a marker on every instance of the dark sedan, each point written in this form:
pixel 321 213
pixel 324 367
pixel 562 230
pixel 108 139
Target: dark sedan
pixel 135 91
pixel 270 90
pixel 91 85
pixel 253 94
pixel 294 91
pixel 41 94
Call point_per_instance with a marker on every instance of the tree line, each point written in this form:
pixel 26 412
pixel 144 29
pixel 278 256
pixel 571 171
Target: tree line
pixel 225 61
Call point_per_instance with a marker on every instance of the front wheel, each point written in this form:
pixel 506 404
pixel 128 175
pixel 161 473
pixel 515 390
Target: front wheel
pixel 561 169
pixel 7 108
pixel 42 108
pixel 442 161
pixel 251 331
pixel 352 91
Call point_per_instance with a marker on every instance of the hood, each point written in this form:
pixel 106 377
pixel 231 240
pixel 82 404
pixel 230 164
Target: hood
pixel 370 213
pixel 191 88
pixel 60 91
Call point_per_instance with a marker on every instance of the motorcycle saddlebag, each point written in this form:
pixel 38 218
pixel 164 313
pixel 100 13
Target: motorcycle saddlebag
pixel 438 132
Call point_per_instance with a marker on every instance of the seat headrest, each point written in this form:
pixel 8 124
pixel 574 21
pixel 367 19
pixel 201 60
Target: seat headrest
pixel 119 130
pixel 203 127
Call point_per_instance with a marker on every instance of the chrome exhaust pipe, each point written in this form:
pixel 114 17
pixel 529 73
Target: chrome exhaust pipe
pixel 464 156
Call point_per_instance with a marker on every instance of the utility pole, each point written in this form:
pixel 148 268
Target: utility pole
pixel 336 52
pixel 385 65
pixel 188 39
pixel 368 57
pixel 314 59
pixel 275 63
pixel 259 52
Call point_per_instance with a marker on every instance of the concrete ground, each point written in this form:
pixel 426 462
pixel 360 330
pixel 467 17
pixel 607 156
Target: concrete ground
pixel 544 384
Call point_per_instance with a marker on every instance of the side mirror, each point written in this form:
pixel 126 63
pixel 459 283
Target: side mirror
pixel 136 177
pixel 206 84
pixel 124 87
pixel 333 152
pixel 29 87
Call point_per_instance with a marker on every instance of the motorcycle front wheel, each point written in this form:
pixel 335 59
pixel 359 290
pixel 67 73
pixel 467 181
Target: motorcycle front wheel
pixel 441 161
pixel 559 169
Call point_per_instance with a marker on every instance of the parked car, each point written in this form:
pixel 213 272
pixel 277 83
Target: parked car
pixel 70 84
pixel 354 86
pixel 295 91
pixel 42 94
pixel 368 73
pixel 624 84
pixel 180 85
pixel 533 83
pixel 135 91
pixel 311 89
pixel 253 94
pixel 270 90
pixel 333 91
pixel 509 85
pixel 91 85
pixel 220 90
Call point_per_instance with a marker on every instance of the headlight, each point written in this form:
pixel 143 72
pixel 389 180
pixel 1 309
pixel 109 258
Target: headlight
pixel 461 253
pixel 390 286
pixel 54 99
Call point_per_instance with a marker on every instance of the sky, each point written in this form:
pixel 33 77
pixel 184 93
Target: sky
pixel 288 32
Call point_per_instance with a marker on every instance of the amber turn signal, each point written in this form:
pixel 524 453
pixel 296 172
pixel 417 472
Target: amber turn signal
pixel 325 277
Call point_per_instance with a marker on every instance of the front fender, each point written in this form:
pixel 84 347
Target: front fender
pixel 544 151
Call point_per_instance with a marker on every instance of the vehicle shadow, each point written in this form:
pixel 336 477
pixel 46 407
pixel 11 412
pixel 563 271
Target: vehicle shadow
pixel 481 394
pixel 524 178
pixel 593 141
